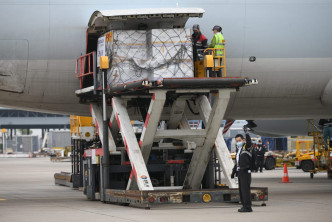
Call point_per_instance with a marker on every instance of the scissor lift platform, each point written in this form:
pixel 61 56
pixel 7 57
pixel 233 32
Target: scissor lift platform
pixel 171 103
pixel 149 198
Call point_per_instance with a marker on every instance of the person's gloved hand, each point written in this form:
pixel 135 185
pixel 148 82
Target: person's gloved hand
pixel 232 176
pixel 245 129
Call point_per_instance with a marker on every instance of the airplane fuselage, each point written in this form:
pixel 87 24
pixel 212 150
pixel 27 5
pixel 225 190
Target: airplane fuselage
pixel 39 44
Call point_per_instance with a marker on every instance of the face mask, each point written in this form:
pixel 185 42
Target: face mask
pixel 259 143
pixel 239 144
pixel 195 32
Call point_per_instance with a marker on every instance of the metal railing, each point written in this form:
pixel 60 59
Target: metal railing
pixel 85 65
pixel 220 60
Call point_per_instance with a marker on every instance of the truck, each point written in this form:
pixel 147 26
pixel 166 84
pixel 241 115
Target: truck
pixel 319 158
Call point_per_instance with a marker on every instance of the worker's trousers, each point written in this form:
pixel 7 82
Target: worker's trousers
pixel 260 163
pixel 244 188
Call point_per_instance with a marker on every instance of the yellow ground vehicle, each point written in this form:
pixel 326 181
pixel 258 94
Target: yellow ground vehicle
pixel 319 158
pixel 304 159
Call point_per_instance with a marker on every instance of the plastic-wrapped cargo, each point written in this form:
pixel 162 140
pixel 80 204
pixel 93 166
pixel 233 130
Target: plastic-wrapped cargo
pixel 152 54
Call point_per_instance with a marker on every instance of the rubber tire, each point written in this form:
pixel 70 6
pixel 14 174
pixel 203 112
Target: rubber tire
pixel 307 165
pixel 270 163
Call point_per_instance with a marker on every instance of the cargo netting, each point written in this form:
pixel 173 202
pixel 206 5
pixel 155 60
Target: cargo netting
pixel 153 55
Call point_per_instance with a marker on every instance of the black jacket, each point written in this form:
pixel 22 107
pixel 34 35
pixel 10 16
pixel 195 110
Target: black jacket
pixel 260 150
pixel 246 160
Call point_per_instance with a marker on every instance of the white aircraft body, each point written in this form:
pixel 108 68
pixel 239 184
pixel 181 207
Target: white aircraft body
pixel 290 40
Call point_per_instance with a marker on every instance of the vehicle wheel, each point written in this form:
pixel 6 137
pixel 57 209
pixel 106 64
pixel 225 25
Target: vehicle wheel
pixel 270 162
pixel 307 165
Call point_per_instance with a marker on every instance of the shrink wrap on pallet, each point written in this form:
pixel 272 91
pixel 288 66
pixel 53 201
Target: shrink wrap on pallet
pixel 153 54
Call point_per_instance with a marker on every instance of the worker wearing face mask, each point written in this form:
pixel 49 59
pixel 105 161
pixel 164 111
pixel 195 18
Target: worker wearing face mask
pixel 199 41
pixel 243 167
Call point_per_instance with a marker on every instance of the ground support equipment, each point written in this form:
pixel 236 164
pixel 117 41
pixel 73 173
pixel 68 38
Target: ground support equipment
pixel 166 162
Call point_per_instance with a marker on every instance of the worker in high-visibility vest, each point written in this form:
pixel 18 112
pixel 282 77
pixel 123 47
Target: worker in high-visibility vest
pixel 217 40
pixel 217 43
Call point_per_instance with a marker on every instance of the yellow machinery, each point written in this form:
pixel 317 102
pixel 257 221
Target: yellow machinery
pixel 81 127
pixel 317 159
pixel 60 153
pixel 211 63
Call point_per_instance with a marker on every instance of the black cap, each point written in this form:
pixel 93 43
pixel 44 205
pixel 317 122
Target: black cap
pixel 195 27
pixel 217 27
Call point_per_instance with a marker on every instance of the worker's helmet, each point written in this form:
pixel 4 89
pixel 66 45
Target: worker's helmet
pixel 195 27
pixel 217 27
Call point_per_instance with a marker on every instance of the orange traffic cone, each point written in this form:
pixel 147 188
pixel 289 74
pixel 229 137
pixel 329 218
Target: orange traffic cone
pixel 285 178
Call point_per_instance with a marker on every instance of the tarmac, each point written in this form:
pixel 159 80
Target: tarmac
pixel 28 193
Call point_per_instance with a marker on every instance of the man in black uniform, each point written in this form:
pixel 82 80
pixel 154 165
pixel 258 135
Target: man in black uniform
pixel 244 165
pixel 260 152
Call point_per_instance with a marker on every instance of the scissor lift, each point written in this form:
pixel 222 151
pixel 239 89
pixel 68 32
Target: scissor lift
pixel 137 168
pixel 172 102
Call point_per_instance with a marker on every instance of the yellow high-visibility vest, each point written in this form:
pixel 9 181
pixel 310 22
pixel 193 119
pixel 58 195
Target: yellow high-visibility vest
pixel 219 44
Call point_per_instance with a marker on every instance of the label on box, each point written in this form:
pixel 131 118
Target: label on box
pixel 100 49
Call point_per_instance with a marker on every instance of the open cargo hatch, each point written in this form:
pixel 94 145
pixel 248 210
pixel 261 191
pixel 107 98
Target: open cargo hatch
pixel 133 19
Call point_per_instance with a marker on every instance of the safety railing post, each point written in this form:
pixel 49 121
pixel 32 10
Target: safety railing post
pixel 224 63
pixel 81 69
pixel 89 69
pixel 94 72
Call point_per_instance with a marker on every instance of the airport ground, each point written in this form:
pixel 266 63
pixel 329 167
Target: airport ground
pixel 28 193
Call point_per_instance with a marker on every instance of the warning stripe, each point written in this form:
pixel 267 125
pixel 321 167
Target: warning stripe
pixel 147 120
pixel 93 115
pixel 118 120
pixel 227 126
pixel 97 126
pixel 133 171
